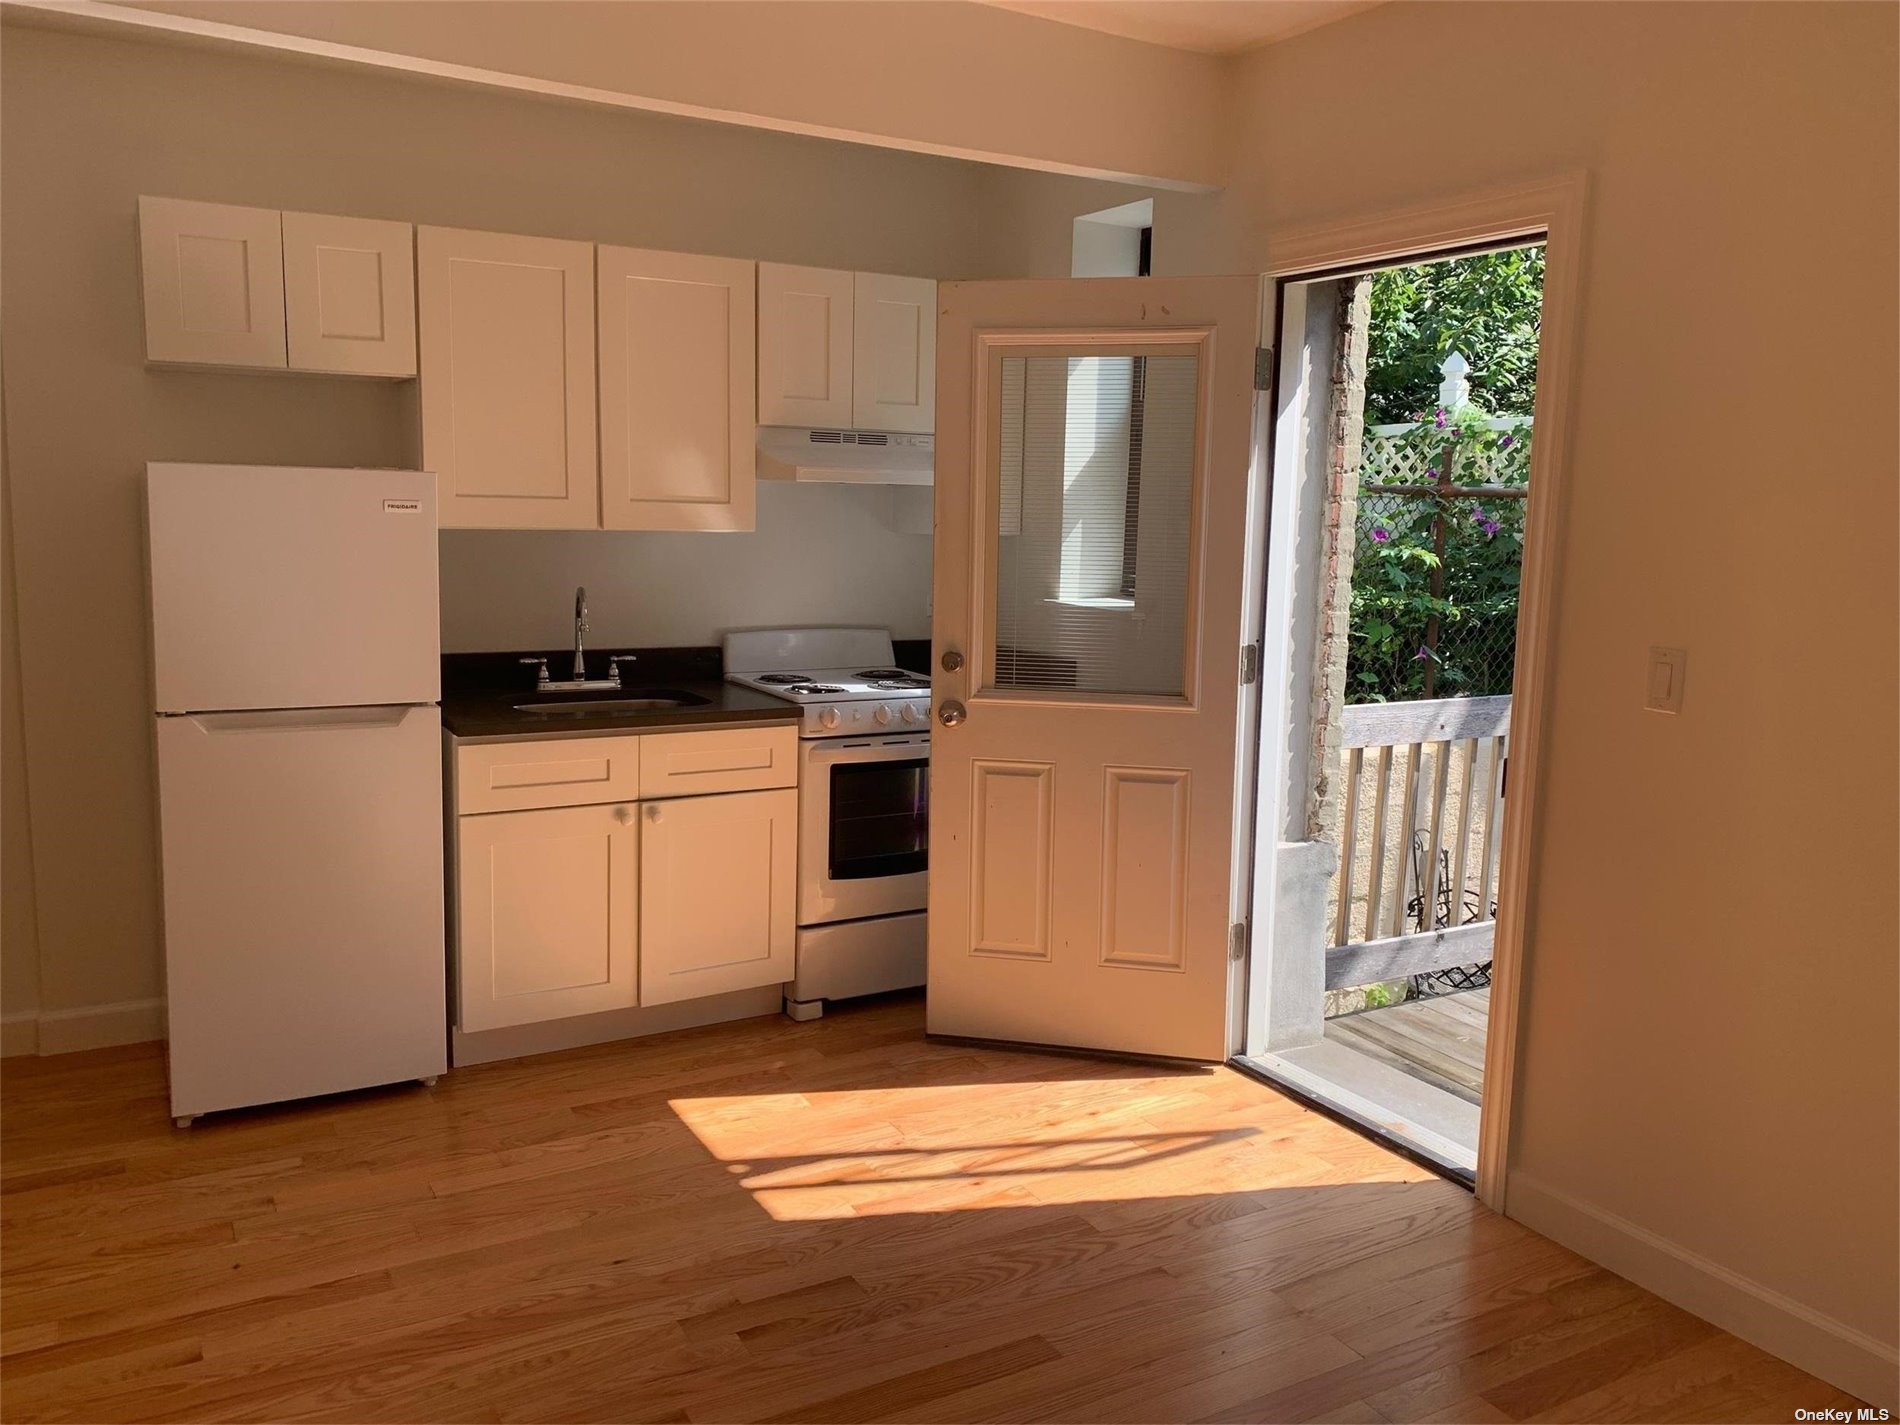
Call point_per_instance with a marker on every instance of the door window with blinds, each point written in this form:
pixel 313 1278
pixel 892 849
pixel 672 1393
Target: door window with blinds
pixel 1094 461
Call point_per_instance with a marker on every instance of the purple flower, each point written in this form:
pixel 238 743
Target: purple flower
pixel 1380 534
pixel 1441 426
pixel 1423 652
pixel 1478 516
pixel 1507 442
pixel 1491 526
pixel 1431 472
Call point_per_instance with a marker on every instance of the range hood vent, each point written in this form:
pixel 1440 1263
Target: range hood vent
pixel 851 457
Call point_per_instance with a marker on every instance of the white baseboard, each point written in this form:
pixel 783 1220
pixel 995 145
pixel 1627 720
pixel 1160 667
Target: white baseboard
pixel 92 1026
pixel 1779 1324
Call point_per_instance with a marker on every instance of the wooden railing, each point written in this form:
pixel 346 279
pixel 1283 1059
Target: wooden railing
pixel 1415 885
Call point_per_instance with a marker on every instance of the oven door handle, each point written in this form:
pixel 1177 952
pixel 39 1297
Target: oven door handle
pixel 825 756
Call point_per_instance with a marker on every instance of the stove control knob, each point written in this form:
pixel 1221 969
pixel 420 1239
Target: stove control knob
pixel 913 713
pixel 828 718
pixel 883 714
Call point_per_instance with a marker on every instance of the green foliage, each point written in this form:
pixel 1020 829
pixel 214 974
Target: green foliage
pixel 1486 307
pixel 1377 997
pixel 1395 556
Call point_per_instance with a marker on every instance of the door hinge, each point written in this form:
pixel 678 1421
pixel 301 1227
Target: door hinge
pixel 1237 936
pixel 1249 664
pixel 1263 368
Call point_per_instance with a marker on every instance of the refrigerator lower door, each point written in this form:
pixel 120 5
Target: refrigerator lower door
pixel 302 862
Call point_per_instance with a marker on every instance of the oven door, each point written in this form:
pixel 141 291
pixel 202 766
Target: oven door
pixel 863 819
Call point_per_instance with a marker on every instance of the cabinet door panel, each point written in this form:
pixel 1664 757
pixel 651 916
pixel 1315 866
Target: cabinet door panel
pixel 350 295
pixel 894 353
pixel 214 283
pixel 677 377
pixel 507 366
pixel 547 914
pixel 804 346
pixel 718 879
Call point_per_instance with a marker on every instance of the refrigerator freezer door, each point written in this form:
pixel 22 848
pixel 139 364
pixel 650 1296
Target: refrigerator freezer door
pixel 292 588
pixel 302 859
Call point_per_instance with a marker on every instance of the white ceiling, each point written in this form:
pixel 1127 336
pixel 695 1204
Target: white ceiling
pixel 1210 26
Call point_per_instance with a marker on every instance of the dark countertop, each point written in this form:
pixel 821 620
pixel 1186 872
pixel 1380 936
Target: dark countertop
pixel 480 690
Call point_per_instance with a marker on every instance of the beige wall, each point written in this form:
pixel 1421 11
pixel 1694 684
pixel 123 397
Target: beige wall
pixel 1710 1043
pixel 19 931
pixel 822 554
pixel 90 123
pixel 967 80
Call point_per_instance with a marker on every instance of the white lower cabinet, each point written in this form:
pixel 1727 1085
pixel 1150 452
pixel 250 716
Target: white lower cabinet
pixel 718 881
pixel 564 910
pixel 547 914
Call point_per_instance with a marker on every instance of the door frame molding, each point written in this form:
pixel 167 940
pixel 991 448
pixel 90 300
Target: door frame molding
pixel 1555 207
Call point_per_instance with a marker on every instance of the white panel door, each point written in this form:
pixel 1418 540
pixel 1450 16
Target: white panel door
pixel 677 391
pixel 302 859
pixel 718 886
pixel 894 353
pixel 804 346
pixel 1093 462
pixel 547 914
pixel 350 295
pixel 276 587
pixel 214 283
pixel 507 368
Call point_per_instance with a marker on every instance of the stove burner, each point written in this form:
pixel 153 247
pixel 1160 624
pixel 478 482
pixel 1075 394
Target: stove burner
pixel 878 673
pixel 814 689
pixel 784 677
pixel 905 685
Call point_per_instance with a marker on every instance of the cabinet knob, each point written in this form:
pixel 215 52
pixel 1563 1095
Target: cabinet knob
pixel 623 815
pixel 653 811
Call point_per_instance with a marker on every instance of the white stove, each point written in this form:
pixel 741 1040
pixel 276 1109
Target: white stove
pixel 863 805
pixel 845 679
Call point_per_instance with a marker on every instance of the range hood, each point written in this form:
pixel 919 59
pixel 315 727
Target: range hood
pixel 850 457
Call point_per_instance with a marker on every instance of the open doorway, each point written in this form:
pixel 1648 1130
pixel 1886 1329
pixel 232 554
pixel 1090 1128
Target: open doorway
pixel 1405 426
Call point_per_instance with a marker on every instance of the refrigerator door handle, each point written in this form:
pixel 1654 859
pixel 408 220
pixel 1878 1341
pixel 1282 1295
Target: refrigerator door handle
pixel 304 719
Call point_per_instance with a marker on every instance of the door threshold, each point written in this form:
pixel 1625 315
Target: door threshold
pixel 1435 1129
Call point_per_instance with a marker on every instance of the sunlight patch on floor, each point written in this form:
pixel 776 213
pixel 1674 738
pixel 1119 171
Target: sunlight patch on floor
pixel 959 1147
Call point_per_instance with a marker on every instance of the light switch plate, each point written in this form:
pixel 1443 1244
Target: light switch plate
pixel 1667 669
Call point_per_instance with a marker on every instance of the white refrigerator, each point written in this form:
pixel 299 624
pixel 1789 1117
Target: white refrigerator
pixel 296 674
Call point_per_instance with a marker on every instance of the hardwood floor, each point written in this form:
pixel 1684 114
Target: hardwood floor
pixel 832 1221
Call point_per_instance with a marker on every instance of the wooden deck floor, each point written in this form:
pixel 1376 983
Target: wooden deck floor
pixel 1438 1040
pixel 831 1221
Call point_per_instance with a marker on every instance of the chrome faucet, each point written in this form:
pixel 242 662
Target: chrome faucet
pixel 580 682
pixel 580 633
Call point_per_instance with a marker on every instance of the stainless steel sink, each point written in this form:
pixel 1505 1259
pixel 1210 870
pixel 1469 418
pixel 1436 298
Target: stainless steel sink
pixel 637 700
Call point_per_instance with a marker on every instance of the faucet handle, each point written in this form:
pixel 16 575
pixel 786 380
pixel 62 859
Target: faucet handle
pixel 613 664
pixel 541 666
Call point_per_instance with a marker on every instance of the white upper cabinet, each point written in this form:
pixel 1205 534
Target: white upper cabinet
pixel 677 374
pixel 507 367
pixel 214 283
pixel 804 346
pixel 847 349
pixel 894 353
pixel 350 295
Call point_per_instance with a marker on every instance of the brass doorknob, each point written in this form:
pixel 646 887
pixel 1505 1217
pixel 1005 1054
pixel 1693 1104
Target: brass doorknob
pixel 952 661
pixel 952 713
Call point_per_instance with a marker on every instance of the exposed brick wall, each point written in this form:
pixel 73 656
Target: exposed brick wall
pixel 1345 434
